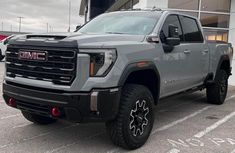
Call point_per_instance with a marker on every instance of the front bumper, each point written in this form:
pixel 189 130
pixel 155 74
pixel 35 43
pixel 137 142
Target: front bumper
pixel 99 105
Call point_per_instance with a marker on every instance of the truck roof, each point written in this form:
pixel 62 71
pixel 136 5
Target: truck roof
pixel 154 11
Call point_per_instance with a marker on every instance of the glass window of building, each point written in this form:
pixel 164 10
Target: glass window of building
pixel 216 5
pixel 190 13
pixel 184 4
pixel 216 35
pixel 215 20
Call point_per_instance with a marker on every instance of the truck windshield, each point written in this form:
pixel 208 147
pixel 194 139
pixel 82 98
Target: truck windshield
pixel 122 23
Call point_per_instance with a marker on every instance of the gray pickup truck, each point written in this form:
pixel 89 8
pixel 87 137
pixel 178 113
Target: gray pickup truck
pixel 114 69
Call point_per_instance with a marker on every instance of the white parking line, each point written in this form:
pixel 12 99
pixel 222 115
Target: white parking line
pixel 174 151
pixel 214 126
pixel 22 125
pixel 36 136
pixel 180 120
pixel 217 124
pixel 171 124
pixel 71 144
pixel 10 116
pixel 176 122
pixel 3 109
pixel 231 97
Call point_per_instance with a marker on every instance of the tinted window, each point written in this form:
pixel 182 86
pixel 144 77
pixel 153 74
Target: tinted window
pixel 192 33
pixel 174 20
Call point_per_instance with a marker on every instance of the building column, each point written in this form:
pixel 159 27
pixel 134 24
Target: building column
pixel 232 25
pixel 142 4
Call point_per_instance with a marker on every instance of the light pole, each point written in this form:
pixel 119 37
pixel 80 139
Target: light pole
pixel 50 27
pixel 20 21
pixel 69 15
pixel 47 27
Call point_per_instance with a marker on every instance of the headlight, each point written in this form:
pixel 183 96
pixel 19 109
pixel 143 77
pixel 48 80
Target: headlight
pixel 101 60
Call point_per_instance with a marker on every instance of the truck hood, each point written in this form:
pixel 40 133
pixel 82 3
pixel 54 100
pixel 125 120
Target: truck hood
pixel 105 38
pixel 98 40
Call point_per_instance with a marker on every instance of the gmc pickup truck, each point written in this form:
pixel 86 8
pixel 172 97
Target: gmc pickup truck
pixel 114 69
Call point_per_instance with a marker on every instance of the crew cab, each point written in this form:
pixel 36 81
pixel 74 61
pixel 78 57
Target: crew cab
pixel 115 69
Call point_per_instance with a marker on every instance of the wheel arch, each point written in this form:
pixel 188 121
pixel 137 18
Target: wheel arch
pixel 224 64
pixel 135 73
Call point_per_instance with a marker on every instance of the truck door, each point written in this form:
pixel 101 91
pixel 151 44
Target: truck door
pixel 172 62
pixel 196 52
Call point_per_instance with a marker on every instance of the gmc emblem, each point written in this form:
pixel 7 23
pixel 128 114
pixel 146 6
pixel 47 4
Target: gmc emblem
pixel 32 55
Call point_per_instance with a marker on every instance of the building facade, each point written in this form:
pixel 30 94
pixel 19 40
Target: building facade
pixel 217 16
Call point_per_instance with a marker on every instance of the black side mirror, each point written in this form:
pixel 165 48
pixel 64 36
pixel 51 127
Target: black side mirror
pixel 173 39
pixel 173 31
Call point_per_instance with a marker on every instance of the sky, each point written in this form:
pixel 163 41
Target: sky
pixel 37 13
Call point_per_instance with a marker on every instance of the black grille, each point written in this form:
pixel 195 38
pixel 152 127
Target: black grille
pixel 60 67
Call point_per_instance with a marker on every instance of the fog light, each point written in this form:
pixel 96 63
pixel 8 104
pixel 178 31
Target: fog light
pixel 12 102
pixel 55 112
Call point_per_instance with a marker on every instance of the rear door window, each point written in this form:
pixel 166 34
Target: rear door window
pixel 191 30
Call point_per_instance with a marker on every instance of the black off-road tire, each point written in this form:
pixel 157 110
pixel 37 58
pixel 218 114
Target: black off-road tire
pixel 217 92
pixel 37 119
pixel 136 104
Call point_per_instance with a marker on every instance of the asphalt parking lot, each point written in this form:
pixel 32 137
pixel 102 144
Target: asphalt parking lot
pixel 184 124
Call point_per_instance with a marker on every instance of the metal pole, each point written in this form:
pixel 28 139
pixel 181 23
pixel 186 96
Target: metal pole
pixel 20 21
pixel 199 9
pixel 69 16
pixel 2 26
pixel 50 28
pixel 86 13
pixel 47 27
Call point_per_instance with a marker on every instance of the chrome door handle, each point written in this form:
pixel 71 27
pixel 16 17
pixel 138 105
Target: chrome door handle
pixel 187 51
pixel 206 51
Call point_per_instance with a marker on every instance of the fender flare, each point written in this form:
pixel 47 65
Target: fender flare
pixel 133 67
pixel 222 59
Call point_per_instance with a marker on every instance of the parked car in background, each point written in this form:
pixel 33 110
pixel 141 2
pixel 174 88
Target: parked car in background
pixel 3 46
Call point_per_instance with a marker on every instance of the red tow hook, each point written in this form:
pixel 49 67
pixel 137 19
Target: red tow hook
pixel 11 102
pixel 55 112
